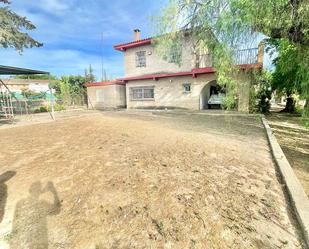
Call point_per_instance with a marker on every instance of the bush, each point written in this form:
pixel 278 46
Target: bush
pixel 41 109
pixel 229 102
pixel 57 107
pixel 264 97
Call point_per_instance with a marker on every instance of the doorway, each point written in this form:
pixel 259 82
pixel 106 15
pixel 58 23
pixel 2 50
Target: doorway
pixel 207 90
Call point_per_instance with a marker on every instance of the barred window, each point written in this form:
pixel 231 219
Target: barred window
pixel 174 55
pixel 187 87
pixel 140 59
pixel 142 93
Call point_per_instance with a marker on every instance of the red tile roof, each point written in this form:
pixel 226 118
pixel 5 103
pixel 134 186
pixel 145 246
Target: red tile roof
pixel 133 44
pixel 192 73
pixel 104 83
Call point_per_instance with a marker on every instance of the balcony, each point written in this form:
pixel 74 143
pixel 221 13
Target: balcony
pixel 241 57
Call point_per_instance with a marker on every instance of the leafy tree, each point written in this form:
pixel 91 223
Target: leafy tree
pixel 285 77
pixel 263 90
pixel 77 84
pixel 220 26
pixel 11 26
pixel 71 89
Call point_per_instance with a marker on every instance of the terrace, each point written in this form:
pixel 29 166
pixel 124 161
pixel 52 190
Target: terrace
pixel 241 57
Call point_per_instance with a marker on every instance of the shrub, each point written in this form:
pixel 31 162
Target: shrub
pixel 229 102
pixel 57 107
pixel 41 109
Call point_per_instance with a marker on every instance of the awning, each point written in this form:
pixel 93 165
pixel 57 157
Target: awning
pixel 6 70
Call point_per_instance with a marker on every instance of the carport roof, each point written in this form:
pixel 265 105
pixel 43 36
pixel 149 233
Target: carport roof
pixel 7 70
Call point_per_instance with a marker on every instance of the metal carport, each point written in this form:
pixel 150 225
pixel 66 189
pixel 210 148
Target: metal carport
pixel 8 70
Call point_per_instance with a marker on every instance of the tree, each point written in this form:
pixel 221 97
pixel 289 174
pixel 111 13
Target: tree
pixel 285 77
pixel 71 89
pixel 11 26
pixel 89 76
pixel 220 26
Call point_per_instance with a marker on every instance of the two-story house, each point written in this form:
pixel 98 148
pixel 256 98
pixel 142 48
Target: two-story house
pixel 151 82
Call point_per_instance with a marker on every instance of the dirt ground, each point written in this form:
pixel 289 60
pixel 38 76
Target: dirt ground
pixel 294 141
pixel 142 180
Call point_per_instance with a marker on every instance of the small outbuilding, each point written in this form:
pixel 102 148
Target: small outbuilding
pixel 107 94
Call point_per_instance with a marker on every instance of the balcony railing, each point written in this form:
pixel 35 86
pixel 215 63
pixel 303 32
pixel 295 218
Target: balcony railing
pixel 246 56
pixel 240 57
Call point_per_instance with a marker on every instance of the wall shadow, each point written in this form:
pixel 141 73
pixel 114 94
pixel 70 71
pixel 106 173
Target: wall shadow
pixel 30 217
pixel 4 191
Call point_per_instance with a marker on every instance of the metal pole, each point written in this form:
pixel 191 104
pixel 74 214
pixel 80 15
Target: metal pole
pixel 11 106
pixel 51 100
pixel 5 105
pixel 52 104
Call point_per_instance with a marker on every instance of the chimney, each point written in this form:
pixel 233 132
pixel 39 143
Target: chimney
pixel 137 33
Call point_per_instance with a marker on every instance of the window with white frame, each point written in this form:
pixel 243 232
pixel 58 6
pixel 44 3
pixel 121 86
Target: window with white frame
pixel 99 95
pixel 186 87
pixel 140 59
pixel 142 93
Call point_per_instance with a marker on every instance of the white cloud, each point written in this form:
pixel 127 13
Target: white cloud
pixel 54 5
pixel 71 32
pixel 49 6
pixel 62 62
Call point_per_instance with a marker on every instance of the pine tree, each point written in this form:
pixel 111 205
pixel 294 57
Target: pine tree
pixel 11 25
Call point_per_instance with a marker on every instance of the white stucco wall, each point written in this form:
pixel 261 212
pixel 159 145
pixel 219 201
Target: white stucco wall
pixel 154 63
pixel 110 96
pixel 168 92
pixel 37 87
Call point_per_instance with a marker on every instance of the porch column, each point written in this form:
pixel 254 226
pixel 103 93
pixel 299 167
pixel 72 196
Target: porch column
pixel 244 94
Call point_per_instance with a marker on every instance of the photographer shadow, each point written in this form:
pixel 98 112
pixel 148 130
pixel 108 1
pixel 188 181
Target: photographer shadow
pixel 4 191
pixel 30 218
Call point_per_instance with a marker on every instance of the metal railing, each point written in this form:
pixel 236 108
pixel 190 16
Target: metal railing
pixel 242 56
pixel 246 56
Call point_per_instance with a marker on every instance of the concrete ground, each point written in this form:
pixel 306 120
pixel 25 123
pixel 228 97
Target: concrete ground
pixel 141 180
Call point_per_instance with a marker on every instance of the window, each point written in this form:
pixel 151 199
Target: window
pixel 140 59
pixel 99 95
pixel 187 87
pixel 142 93
pixel 174 55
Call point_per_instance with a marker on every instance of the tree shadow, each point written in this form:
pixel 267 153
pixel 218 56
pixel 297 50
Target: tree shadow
pixel 4 191
pixel 30 218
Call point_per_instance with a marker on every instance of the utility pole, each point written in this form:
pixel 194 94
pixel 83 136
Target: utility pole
pixel 102 36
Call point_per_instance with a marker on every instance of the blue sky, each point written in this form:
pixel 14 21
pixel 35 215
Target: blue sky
pixel 71 31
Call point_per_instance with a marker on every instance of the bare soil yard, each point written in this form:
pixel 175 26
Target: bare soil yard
pixel 142 180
